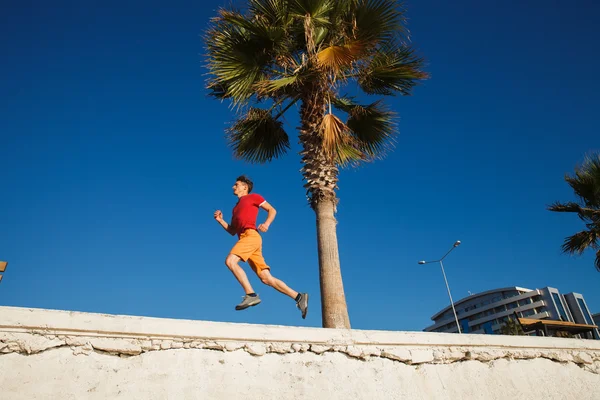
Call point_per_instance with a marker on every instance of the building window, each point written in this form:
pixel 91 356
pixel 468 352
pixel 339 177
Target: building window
pixel 464 324
pixel 487 327
pixel 528 313
pixel 561 309
pixel 584 310
pixel 524 302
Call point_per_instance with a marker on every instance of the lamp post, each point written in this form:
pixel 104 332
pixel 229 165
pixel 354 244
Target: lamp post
pixel 456 244
pixel 3 265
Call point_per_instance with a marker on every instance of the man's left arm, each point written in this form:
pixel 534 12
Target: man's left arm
pixel 272 212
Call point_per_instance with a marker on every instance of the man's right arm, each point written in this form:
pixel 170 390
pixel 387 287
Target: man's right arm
pixel 219 217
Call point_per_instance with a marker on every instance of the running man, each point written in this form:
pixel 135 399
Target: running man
pixel 249 246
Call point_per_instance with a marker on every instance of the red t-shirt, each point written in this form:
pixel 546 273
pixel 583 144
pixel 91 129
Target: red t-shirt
pixel 245 212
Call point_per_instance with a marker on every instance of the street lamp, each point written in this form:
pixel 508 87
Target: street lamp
pixel 3 265
pixel 456 244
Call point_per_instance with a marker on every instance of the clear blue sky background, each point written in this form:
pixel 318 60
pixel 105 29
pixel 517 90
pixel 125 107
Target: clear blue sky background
pixel 114 159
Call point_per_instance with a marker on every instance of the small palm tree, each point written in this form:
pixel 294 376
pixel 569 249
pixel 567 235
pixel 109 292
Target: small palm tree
pixel 563 334
pixel 586 185
pixel 278 53
pixel 511 327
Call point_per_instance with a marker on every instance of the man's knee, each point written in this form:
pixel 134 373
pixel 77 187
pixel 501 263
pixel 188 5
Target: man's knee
pixel 231 261
pixel 266 278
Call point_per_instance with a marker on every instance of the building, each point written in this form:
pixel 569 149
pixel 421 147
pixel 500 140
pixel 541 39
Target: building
pixel 486 312
pixel 580 311
pixel 596 318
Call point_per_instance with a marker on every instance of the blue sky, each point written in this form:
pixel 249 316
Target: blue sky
pixel 114 160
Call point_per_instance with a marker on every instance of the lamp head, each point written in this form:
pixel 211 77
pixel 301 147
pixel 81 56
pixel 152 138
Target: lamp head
pixel 457 243
pixel 421 262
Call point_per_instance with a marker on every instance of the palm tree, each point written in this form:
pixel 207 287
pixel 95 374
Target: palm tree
pixel 278 53
pixel 511 327
pixel 586 185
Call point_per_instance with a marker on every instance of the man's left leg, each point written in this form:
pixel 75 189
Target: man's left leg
pixel 257 263
pixel 269 280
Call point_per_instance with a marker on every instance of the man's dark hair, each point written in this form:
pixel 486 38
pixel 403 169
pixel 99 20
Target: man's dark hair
pixel 247 181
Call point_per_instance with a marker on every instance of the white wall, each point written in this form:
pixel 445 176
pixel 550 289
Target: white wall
pixel 47 354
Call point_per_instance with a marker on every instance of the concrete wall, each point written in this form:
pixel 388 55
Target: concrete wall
pixel 47 354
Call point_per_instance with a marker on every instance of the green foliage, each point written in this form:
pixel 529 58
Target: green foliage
pixel 512 327
pixel 586 186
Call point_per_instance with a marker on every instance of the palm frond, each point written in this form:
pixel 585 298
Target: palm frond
pixel 320 34
pixel 239 20
pixel 377 20
pixel 586 181
pixel 239 49
pixel 264 34
pixel 392 69
pixel 333 131
pixel 338 144
pixel 234 60
pixel 274 11
pixel 217 89
pixel 565 207
pixel 313 16
pixel 374 127
pixel 257 137
pixel 276 87
pixel 347 154
pixel 584 213
pixel 336 58
pixel 586 185
pixel 345 104
pixel 317 10
pixel 579 242
pixel 258 24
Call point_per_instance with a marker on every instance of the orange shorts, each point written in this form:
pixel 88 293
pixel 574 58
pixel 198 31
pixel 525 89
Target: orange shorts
pixel 249 248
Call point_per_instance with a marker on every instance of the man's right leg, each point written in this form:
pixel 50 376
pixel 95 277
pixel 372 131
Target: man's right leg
pixel 232 262
pixel 251 298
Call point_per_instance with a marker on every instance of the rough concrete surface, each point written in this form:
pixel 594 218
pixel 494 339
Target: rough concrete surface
pixel 48 354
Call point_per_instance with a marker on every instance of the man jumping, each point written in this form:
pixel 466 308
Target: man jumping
pixel 249 246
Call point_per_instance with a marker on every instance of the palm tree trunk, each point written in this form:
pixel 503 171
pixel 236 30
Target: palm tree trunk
pixel 321 176
pixel 333 301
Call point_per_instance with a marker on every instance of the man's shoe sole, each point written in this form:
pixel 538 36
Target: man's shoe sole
pixel 239 308
pixel 306 309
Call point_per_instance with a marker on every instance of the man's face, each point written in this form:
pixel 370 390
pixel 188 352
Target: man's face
pixel 239 188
